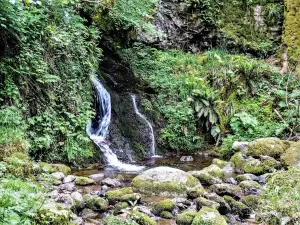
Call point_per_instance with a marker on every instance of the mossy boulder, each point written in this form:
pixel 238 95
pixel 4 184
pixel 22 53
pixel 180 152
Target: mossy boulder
pixel 164 205
pixel 164 181
pixel 200 202
pixel 207 214
pixel 238 208
pixel 205 178
pixel 226 189
pixel 195 192
pixel 19 164
pixel 186 217
pixel 224 208
pixel 95 202
pixel 115 220
pixel 82 181
pixel 166 215
pixel 267 146
pixel 246 176
pixel 251 201
pixel 141 218
pixel 291 157
pixel 62 168
pixel 46 167
pixel 249 184
pixel 119 206
pixel 222 164
pixel 120 195
pixel 214 170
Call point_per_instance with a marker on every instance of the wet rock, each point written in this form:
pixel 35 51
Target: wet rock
pixel 231 180
pixel 88 214
pixel 246 176
pixel 227 189
pixel 205 178
pixel 111 182
pixel 251 201
pixel 224 207
pixel 124 194
pixel 67 187
pixel 181 203
pixel 238 207
pixel 291 157
pixel 186 159
pixel 205 202
pixel 95 203
pixel 186 217
pixel 69 178
pixel 97 177
pixel 65 200
pixel 209 215
pixel 165 205
pixel 58 175
pixel 240 146
pixel 82 181
pixel 164 181
pixel 78 199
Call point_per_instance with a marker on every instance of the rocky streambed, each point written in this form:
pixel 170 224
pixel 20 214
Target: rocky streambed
pixel 223 192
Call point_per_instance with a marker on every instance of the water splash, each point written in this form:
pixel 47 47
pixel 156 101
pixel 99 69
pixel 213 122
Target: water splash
pixel 99 134
pixel 152 137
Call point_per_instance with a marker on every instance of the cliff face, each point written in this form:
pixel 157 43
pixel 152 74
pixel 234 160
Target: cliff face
pixel 291 34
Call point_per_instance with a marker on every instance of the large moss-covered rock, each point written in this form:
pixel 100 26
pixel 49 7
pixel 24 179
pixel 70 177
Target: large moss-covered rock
pixel 164 181
pixel 164 205
pixel 273 147
pixel 119 206
pixel 122 194
pixel 238 207
pixel 209 215
pixel 195 192
pixel 141 218
pixel 227 189
pixel 205 202
pixel 214 170
pixel 291 157
pixel 95 202
pixel 62 168
pixel 82 181
pixel 251 201
pixel 249 184
pixel 224 207
pixel 205 178
pixel 186 217
pixel 246 176
pixel 115 220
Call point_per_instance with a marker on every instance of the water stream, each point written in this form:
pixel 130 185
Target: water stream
pixel 151 133
pixel 99 134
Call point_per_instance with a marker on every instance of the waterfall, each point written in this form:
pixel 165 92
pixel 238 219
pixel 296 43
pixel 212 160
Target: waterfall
pixel 152 147
pixel 99 134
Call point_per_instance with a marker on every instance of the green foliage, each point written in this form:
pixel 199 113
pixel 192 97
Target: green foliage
pixel 48 78
pixel 280 198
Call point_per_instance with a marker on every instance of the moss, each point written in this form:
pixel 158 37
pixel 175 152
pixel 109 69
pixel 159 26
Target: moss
pixel 166 215
pixel 205 178
pixel 119 206
pixel 82 181
pixel 62 168
pixel 214 170
pixel 291 34
pixel 226 189
pixel 195 192
pixel 95 202
pixel 46 167
pixel 18 164
pixel 220 163
pixel 292 155
pixel 267 146
pixel 165 205
pixel 118 195
pixel 238 207
pixel 207 216
pixel 251 201
pixel 238 160
pixel 114 220
pixel 247 176
pixel 186 217
pixel 205 202
pixel 141 218
pixel 249 184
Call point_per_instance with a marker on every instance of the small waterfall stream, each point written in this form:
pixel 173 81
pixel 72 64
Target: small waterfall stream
pixel 152 147
pixel 99 134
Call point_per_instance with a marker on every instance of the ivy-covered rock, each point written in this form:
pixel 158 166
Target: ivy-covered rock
pixel 207 214
pixel 164 181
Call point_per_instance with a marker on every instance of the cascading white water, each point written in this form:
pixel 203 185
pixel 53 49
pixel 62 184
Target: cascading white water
pixel 152 147
pixel 99 134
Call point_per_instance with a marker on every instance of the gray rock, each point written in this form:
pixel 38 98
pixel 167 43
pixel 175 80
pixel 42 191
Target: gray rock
pixel 78 199
pixel 53 194
pixel 227 189
pixel 65 200
pixel 231 180
pixel 67 187
pixel 97 177
pixel 181 203
pixel 58 175
pixel 224 207
pixel 88 214
pixel 186 159
pixel 205 178
pixel 246 176
pixel 69 178
pixel 111 182
pixel 240 146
